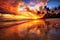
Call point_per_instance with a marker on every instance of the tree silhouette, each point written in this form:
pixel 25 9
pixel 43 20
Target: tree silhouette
pixel 47 8
pixel 59 7
pixel 55 8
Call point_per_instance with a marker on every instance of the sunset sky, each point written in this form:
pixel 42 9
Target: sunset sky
pixel 50 4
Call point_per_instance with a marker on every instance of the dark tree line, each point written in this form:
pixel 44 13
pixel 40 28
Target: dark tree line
pixel 53 14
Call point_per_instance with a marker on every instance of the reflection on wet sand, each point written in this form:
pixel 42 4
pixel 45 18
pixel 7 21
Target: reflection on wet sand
pixel 30 30
pixel 29 27
pixel 23 30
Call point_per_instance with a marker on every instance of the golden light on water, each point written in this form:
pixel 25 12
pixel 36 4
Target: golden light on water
pixel 22 28
pixel 30 26
pixel 26 28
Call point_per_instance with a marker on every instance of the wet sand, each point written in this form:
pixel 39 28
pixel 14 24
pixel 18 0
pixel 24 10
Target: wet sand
pixel 30 30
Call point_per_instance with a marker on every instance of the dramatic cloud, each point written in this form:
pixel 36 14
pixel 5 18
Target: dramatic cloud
pixel 42 2
pixel 13 5
pixel 9 5
pixel 36 4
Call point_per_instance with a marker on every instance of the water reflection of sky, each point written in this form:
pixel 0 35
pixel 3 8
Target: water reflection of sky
pixel 30 29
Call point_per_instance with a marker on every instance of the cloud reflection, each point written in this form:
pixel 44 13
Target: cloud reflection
pixel 28 29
